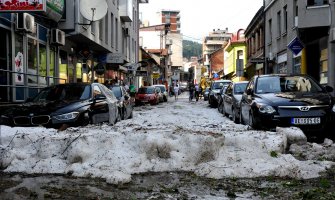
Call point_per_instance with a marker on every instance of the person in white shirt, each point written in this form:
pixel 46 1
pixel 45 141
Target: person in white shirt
pixel 176 91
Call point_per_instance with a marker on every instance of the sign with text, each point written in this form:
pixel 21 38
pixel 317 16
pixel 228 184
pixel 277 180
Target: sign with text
pixel 114 58
pixel 295 46
pixel 22 5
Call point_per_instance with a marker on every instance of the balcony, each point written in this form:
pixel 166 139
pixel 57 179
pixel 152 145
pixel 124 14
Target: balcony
pixel 126 10
pixel 314 16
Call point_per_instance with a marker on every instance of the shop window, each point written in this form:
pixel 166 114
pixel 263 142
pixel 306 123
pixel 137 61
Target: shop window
pixel 52 59
pixel 42 71
pixel 32 61
pixel 79 72
pixel 297 65
pixel 63 64
pixel 324 66
pixel 317 2
pixel 42 33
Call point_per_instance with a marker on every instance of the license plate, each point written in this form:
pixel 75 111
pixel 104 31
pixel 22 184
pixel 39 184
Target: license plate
pixel 302 121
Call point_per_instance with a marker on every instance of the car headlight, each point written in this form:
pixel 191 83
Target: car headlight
pixel 67 116
pixel 266 109
pixel 333 108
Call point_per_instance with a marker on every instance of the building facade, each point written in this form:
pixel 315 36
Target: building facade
pixel 305 24
pixel 215 40
pixel 255 34
pixel 67 48
pixel 235 57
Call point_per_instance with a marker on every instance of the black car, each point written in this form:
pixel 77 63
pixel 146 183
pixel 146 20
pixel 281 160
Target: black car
pixel 287 100
pixel 214 91
pixel 126 104
pixel 220 98
pixel 232 98
pixel 73 104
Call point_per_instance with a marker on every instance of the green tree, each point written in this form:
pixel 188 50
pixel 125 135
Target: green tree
pixel 191 49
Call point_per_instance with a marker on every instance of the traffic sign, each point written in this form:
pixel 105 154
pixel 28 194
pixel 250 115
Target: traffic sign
pixel 296 46
pixel 141 73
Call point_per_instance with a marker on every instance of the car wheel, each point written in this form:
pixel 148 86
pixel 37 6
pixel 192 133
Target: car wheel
pixel 223 110
pixel 123 114
pixel 241 118
pixel 84 119
pixel 131 114
pixel 234 117
pixel 252 122
pixel 118 116
pixel 220 107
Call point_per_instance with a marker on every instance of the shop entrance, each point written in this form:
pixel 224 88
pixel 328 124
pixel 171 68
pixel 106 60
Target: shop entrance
pixel 5 66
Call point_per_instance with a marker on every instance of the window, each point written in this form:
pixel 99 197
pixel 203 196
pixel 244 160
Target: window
pixel 270 30
pixel 116 34
pixel 285 19
pixel 101 27
pixel 317 2
pixel 52 65
pixel 32 61
pixel 279 24
pixel 112 30
pixel 106 29
pixel 42 71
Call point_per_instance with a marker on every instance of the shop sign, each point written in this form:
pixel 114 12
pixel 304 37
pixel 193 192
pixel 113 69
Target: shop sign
pixel 114 58
pixel 22 5
pixel 155 75
pixel 141 73
pixel 55 9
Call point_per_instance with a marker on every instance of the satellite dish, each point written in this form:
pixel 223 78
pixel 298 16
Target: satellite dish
pixel 93 10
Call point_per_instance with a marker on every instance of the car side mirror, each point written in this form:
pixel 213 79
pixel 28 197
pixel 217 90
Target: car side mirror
pixel 100 97
pixel 249 91
pixel 329 89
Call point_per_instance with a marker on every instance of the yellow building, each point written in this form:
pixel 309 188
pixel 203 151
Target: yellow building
pixel 235 57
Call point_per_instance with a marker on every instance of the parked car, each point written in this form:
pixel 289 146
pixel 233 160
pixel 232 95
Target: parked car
pixel 125 102
pixel 214 91
pixel 287 100
pixel 74 104
pixel 206 94
pixel 164 91
pixel 220 98
pixel 147 94
pixel 232 98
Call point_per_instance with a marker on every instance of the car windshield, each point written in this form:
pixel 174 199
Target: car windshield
pixel 162 88
pixel 117 92
pixel 148 90
pixel 65 93
pixel 276 84
pixel 239 88
pixel 219 85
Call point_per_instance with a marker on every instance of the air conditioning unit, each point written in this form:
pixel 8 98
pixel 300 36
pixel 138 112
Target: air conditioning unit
pixel 296 21
pixel 25 22
pixel 57 37
pixel 332 35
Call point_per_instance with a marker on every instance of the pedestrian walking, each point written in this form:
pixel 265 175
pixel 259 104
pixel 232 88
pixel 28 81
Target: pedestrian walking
pixel 176 91
pixel 196 92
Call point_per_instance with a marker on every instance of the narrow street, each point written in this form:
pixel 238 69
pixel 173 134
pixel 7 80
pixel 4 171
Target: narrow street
pixel 174 150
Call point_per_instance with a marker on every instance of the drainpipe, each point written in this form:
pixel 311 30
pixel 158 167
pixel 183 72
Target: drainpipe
pixel 264 41
pixel 331 49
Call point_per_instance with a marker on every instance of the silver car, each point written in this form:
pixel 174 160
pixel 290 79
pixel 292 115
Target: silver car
pixel 164 91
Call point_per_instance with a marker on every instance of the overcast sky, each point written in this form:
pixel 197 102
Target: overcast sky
pixel 198 18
